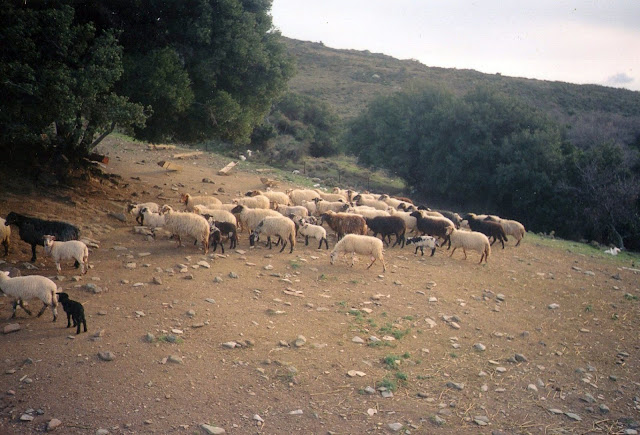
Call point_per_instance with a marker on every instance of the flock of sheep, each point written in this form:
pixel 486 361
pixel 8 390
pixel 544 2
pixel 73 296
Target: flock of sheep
pixel 270 214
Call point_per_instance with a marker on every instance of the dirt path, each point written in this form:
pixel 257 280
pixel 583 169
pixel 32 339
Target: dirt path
pixel 462 348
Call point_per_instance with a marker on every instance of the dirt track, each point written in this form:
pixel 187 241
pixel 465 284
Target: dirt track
pixel 586 348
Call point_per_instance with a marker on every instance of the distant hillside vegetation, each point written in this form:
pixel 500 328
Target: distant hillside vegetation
pixel 349 79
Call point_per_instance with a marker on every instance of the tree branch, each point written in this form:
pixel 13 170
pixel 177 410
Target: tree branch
pixel 102 136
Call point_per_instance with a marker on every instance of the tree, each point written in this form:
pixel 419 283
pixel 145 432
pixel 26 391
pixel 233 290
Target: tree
pixel 57 77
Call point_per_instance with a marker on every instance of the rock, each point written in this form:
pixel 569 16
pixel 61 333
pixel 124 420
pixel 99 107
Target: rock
pixel 256 417
pixel 92 288
pixel 455 385
pixel 556 411
pixel 149 338
pixel 532 387
pixel 217 279
pixel 120 216
pixel 191 313
pixel 11 327
pixel 357 339
pixel 481 420
pixel 174 359
pixel 520 357
pixel 106 356
pixel 296 412
pixel 230 344
pixel 395 427
pixel 157 280
pixel 212 430
pixel 300 341
pixel 211 301
pixel 553 306
pixel 370 390
pixel 26 417
pixel 233 275
pixel 438 421
pixel 479 347
pixel 573 416
pixel 501 369
pixel 131 265
pixel 53 424
pixel 604 408
pixel 500 297
pixel 204 264
pixel 102 432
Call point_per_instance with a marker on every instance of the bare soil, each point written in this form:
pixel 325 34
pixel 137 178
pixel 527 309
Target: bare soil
pixel 579 356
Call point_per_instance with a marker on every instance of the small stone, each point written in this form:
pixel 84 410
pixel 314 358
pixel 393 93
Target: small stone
pixel 479 347
pixel 212 430
pixel 556 411
pixel 157 280
pixel 500 297
pixel 455 385
pixel 501 369
pixel 604 408
pixel 175 359
pixel 191 313
pixel 370 390
pixel 357 339
pixel 131 265
pixel 520 357
pixel 532 387
pixel 256 417
pixel 300 341
pixel 106 356
pixel 481 420
pixel 438 421
pixel 102 432
pixel 454 325
pixel 372 411
pixel 296 412
pixel 230 344
pixel 433 299
pixel 26 417
pixel 217 279
pixel 553 306
pixel 211 301
pixel 395 427
pixel 149 338
pixel 53 424
pixel 233 275
pixel 573 416
pixel 11 327
pixel 204 264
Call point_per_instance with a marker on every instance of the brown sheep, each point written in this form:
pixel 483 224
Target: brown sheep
pixel 344 223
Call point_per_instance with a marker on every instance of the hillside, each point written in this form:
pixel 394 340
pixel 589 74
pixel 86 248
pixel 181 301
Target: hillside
pixel 349 79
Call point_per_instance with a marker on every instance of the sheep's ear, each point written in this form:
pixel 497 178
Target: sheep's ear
pixel 6 272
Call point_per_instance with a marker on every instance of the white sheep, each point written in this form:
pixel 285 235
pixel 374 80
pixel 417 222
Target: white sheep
pixel 191 201
pixel 422 242
pixel 217 215
pixel 409 220
pixel 72 249
pixel 299 195
pixel 280 226
pixel 136 209
pixel 258 201
pixel 513 228
pixel 375 203
pixel 187 224
pixel 249 218
pixel 357 244
pixel 393 202
pixel 297 210
pixel 471 240
pixel 367 212
pixel 315 231
pixel 5 236
pixel 310 206
pixel 152 219
pixel 23 288
pixel 336 196
pixel 323 206
pixel 273 195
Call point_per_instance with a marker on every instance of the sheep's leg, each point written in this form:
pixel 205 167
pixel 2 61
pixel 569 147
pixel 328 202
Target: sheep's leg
pixel 5 243
pixel 69 321
pixel 433 251
pixel 374 260
pixel 481 257
pixel 517 244
pixel 284 243
pixel 33 253
pixel 221 247
pixel 502 241
pixel 291 243
pixel 353 259
pixel 494 240
pixel 20 302
pixel 465 252
pixel 384 266
pixel 179 241
pixel 416 252
pixel 42 310
pixel 58 268
pixel 84 322
pixel 454 250
pixel 306 241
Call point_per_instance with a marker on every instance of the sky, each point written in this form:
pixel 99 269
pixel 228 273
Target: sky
pixel 596 42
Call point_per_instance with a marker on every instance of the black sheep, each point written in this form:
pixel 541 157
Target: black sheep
pixel 387 225
pixel 74 311
pixel 434 226
pixel 452 216
pixel 225 229
pixel 487 227
pixel 32 230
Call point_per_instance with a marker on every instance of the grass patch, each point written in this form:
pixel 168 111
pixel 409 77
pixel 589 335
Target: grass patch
pixel 626 258
pixel 294 264
pixel 588 308
pixel 170 338
pixel 387 383
pixel 630 297
pixel 401 376
pixel 453 355
pixel 391 362
pixel 394 332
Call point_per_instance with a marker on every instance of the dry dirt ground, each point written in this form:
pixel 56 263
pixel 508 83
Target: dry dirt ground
pixel 433 316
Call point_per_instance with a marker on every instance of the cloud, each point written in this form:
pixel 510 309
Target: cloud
pixel 619 79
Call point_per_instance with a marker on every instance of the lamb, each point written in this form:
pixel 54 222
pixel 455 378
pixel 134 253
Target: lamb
pixel 258 201
pixel 344 223
pixel 249 218
pixel 472 240
pixel 191 201
pixel 315 231
pixel 136 209
pixel 217 215
pixel 274 196
pixel 375 203
pixel 434 226
pixel 5 236
pixel 359 244
pixel 422 242
pixel 67 250
pixel 153 220
pixel 32 230
pixel 187 224
pixel 220 230
pixel 323 206
pixel 297 210
pixel 74 310
pixel 299 195
pixel 280 226
pixel 23 288
pixel 488 228
pixel 511 227
pixel 387 225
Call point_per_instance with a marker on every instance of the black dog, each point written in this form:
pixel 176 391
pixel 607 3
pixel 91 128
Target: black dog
pixel 74 311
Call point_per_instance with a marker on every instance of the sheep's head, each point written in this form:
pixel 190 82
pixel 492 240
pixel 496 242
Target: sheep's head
pixel 130 208
pixel 12 218
pixel 62 296
pixel 48 241
pixel 184 198
pixel 252 238
pixel 166 209
pixel 332 257
pixel 237 209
